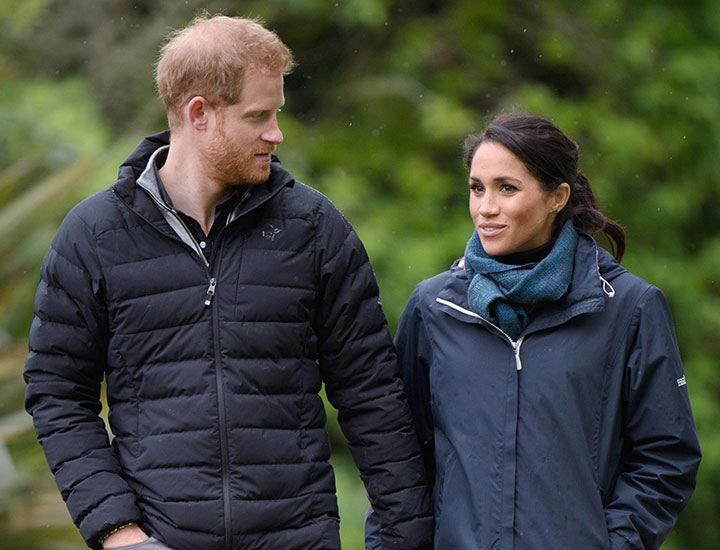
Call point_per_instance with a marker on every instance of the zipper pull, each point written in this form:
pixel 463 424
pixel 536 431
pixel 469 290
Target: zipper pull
pixel 516 349
pixel 210 292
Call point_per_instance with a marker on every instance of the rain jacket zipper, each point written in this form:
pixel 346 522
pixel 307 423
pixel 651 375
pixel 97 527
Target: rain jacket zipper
pixel 509 474
pixel 514 343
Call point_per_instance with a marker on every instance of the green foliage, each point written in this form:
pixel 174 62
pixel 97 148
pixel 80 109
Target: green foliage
pixel 384 93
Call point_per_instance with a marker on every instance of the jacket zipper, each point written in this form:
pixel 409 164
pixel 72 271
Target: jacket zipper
pixel 516 349
pixel 508 504
pixel 210 291
pixel 514 343
pixel 188 238
pixel 222 417
pixel 198 249
pixel 195 245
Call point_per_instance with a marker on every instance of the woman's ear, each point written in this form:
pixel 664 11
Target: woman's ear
pixel 560 197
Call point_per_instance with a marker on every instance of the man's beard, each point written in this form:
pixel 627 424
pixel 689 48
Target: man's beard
pixel 231 166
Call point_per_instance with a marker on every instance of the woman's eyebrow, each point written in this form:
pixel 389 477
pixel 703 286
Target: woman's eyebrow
pixel 499 179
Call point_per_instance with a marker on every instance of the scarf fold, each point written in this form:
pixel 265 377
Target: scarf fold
pixel 506 295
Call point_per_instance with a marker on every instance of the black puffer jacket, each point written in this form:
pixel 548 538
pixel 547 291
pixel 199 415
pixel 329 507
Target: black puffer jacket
pixel 213 372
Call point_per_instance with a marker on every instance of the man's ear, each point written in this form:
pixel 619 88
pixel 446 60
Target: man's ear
pixel 197 112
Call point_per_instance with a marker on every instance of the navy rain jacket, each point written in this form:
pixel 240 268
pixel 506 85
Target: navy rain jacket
pixel 579 435
pixel 213 372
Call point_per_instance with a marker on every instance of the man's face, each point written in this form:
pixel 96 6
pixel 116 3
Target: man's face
pixel 243 135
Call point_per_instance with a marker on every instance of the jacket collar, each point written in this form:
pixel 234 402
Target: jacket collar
pixel 144 201
pixel 593 273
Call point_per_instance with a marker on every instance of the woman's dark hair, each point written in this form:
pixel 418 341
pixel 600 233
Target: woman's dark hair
pixel 552 157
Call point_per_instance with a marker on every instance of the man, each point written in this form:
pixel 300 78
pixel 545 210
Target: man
pixel 216 294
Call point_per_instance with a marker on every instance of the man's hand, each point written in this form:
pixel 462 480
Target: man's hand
pixel 127 535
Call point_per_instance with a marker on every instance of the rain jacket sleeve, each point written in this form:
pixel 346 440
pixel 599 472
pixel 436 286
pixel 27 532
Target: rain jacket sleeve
pixel 414 351
pixel 63 372
pixel 661 453
pixel 359 367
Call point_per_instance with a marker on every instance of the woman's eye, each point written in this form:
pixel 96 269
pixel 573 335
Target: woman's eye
pixel 475 188
pixel 507 188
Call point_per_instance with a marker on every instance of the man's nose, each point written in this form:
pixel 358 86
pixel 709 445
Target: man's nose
pixel 272 133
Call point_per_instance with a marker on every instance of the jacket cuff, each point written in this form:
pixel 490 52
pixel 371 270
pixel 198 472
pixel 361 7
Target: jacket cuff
pixel 119 510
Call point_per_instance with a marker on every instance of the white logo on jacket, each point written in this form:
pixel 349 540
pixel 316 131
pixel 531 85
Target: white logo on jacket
pixel 269 231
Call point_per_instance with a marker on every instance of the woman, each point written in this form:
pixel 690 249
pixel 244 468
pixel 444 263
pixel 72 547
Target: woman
pixel 544 378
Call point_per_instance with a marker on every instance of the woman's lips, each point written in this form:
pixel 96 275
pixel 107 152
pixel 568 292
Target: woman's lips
pixel 491 229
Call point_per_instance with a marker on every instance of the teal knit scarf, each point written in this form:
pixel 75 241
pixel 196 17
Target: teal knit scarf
pixel 507 294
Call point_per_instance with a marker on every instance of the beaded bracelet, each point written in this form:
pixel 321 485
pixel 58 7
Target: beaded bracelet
pixel 114 530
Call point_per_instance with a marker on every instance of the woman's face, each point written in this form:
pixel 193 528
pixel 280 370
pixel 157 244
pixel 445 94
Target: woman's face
pixel 510 210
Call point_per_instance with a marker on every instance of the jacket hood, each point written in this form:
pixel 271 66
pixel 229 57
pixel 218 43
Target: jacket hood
pixel 609 267
pixel 594 269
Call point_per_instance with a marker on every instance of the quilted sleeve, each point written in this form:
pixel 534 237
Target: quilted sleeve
pixel 63 372
pixel 362 381
pixel 414 352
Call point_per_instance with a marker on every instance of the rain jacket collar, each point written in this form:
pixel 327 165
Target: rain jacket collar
pixel 590 287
